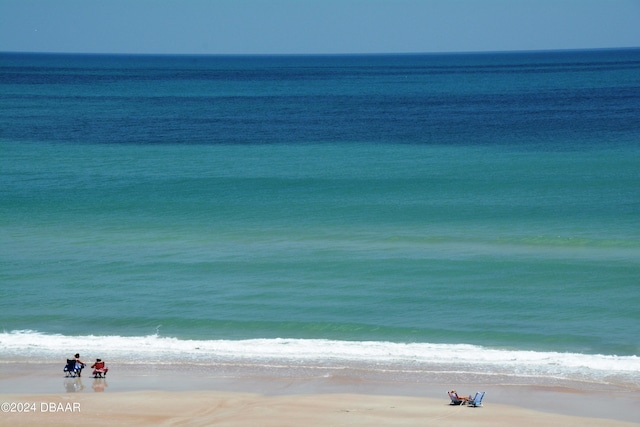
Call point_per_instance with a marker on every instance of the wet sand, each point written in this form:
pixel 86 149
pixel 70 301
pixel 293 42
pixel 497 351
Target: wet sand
pixel 169 395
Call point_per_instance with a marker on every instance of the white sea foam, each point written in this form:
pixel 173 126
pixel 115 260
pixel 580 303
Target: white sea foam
pixel 371 355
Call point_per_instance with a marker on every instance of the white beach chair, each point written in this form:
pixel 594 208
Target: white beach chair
pixel 455 400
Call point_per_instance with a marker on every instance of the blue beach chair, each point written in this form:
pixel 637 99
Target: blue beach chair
pixel 477 400
pixel 70 368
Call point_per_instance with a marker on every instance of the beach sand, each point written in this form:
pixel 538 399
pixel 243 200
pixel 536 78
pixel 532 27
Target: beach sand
pixel 169 396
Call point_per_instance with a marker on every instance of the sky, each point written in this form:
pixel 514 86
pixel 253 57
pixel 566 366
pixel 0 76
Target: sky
pixel 315 26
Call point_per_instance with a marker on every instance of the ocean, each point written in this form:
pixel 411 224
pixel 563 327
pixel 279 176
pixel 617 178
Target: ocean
pixel 406 214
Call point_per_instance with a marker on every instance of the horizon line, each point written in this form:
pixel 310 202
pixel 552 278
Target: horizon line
pixel 467 52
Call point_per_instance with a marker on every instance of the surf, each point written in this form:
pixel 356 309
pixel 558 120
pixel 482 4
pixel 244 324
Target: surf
pixel 394 359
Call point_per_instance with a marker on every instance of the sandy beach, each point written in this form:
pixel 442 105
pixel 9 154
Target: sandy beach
pixel 201 408
pixel 36 395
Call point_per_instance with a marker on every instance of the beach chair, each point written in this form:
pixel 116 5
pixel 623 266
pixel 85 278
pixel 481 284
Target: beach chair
pixel 476 400
pixel 99 370
pixel 70 368
pixel 455 400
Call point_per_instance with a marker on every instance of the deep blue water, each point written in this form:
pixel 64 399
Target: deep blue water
pixel 554 98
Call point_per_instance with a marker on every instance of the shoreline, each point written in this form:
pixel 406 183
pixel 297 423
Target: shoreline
pixel 138 394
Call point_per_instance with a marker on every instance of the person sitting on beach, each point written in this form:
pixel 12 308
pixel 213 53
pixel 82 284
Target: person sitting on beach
pixel 79 364
pixel 99 369
pixel 454 395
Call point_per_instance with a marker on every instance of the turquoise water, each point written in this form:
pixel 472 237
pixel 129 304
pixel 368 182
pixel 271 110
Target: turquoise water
pixel 487 208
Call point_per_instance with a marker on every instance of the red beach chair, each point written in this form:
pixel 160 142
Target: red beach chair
pixel 99 369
